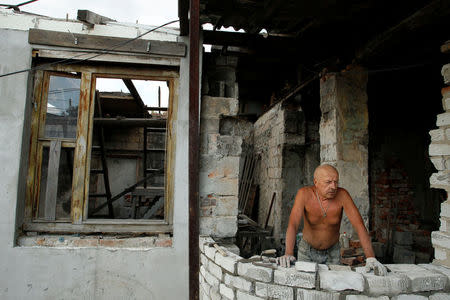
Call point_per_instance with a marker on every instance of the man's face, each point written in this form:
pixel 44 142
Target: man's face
pixel 327 184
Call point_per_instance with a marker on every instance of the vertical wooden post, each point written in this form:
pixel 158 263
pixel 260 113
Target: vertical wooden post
pixel 52 180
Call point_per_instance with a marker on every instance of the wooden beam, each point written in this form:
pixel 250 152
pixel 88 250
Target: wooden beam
pixel 105 43
pixel 52 180
pixel 134 92
pixel 432 12
pixel 92 18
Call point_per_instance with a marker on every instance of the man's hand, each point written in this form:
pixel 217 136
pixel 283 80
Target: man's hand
pixel 373 264
pixel 285 260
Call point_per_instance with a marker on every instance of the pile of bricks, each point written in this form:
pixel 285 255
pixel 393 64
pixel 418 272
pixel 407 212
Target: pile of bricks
pixel 353 255
pixel 230 276
pixel 395 222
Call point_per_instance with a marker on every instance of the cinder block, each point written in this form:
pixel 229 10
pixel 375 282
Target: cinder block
pixel 441 178
pixel 210 252
pixel 238 282
pixel 291 277
pixel 215 270
pixel 229 262
pixel 389 285
pixel 305 266
pixel 274 291
pixel 421 279
pixel 437 135
pixel 439 149
pixel 219 226
pixel 244 296
pixel 440 239
pixel 303 294
pixel 341 280
pixel 226 292
pixel 255 272
pixel 439 296
pixel 440 269
pixel 409 297
pixel 364 297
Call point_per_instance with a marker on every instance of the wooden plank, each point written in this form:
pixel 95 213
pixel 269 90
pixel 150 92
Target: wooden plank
pixel 134 92
pixel 111 44
pixel 52 180
pixel 92 18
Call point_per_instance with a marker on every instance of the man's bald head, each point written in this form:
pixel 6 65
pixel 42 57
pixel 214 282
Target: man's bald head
pixel 324 169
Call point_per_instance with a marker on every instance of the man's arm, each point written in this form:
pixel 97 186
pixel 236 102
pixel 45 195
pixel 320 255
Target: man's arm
pixel 355 218
pixel 294 223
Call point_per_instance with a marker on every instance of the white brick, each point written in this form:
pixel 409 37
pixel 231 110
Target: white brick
pixel 446 101
pixel 364 297
pixel 316 295
pixel 341 280
pixel 443 119
pixel 421 278
pixel 291 277
pixel 440 239
pixel 274 291
pixel 409 297
pixel 440 253
pixel 205 287
pixel 203 260
pixel 447 133
pixel 209 278
pixel 202 240
pixel 389 285
pixel 442 270
pixel 214 294
pixel 437 135
pixel 227 292
pixel 438 162
pixel 244 296
pixel 323 267
pixel 440 178
pixel 255 272
pixel 238 282
pixel 446 73
pixel 445 209
pixel 305 266
pixel 210 252
pixel 439 149
pixel 215 270
pixel 219 226
pixel 443 226
pixel 440 296
pixel 229 262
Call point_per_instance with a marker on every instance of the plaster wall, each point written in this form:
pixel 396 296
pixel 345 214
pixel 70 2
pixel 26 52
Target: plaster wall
pixel 72 272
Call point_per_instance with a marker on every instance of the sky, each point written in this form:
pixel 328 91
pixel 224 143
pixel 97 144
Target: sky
pixel 150 12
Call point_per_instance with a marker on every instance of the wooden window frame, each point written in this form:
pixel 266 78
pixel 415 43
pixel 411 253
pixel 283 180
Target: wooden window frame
pixel 79 223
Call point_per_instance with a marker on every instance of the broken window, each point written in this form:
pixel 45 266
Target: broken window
pixel 101 148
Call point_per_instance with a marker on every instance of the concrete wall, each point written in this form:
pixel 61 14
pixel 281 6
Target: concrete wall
pixel 439 151
pixel 279 138
pixel 96 272
pixel 344 134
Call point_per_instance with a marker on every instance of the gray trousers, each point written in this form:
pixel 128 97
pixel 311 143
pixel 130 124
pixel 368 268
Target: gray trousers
pixel 330 256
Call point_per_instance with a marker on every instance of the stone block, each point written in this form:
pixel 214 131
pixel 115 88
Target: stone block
pixel 226 292
pixel 445 209
pixel 218 226
pixel 341 280
pixel 447 133
pixel 443 227
pixel 305 266
pixel 229 262
pixel 228 145
pixel 275 173
pixel 364 297
pixel 216 106
pixel 219 166
pixel 209 125
pixel 440 239
pixel 322 267
pixel 446 73
pixel 205 286
pixel 219 186
pixel 203 260
pixel 292 277
pixel 403 237
pixel 328 153
pixel 210 252
pixel 439 253
pixel 202 240
pixel 446 102
pixel 443 119
pixel 440 296
pixel 438 162
pixel 440 269
pixel 209 278
pixel 403 255
pixel 238 282
pixel 303 294
pixel 244 296
pixel 255 272
pixel 409 297
pixel 437 135
pixel 390 285
pixel 215 270
pixel 440 178
pixel 274 291
pixel 420 278
pixel 339 268
pixel 439 149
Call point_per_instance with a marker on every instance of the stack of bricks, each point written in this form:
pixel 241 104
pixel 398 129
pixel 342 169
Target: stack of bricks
pixel 439 151
pixel 353 255
pixel 232 277
pixel 395 222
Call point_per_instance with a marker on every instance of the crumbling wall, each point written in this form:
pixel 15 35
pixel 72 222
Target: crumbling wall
pixel 279 138
pixel 344 134
pixel 439 151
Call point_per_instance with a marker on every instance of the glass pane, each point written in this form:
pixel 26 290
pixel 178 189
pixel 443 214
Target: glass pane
pixel 62 107
pixel 64 188
pixel 126 162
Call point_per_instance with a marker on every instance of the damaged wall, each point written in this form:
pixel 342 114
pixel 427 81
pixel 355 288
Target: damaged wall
pixel 94 271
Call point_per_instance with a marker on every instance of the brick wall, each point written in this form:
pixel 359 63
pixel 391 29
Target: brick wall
pixel 232 277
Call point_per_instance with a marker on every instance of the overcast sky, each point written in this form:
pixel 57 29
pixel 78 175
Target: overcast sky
pixel 150 12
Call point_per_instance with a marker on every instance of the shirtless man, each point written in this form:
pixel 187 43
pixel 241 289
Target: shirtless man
pixel 321 207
